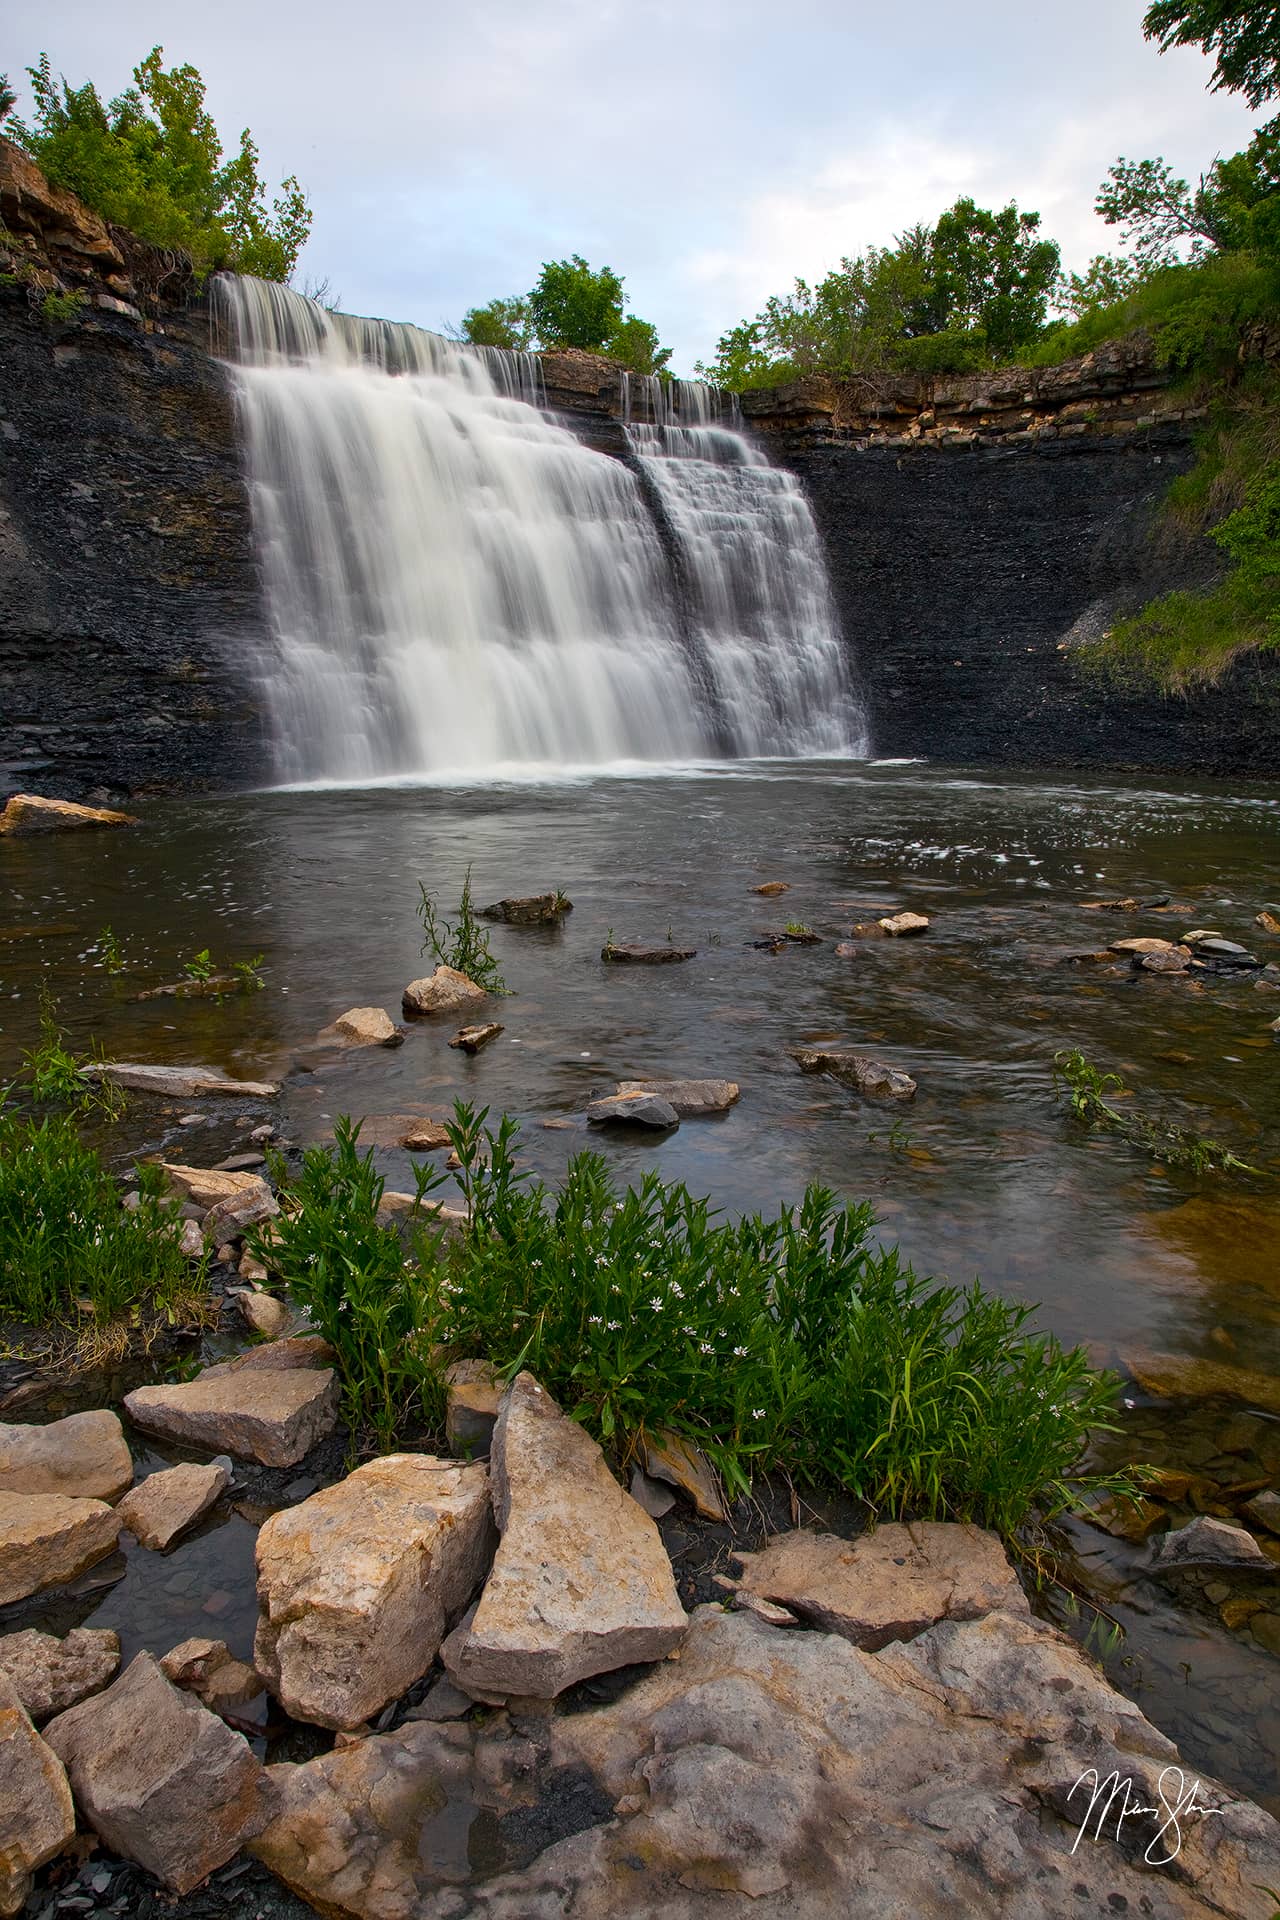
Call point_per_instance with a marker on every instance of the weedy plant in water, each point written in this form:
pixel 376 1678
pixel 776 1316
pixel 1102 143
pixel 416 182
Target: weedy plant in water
pixel 112 952
pixel 1087 1087
pixel 250 973
pixel 200 966
pixel 55 1078
pixel 792 1343
pixel 462 944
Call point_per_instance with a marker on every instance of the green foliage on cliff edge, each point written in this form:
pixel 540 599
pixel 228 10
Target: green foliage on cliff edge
pixel 572 304
pixel 151 160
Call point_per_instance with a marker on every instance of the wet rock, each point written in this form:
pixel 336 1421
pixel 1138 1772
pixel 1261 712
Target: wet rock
pixel 1126 1519
pixel 424 1136
pixel 37 1818
pixel 887 1585
pixel 846 950
pixel 272 1406
pixel 1137 949
pixel 208 1186
pixel 856 1070
pixel 160 1778
pixel 1177 1376
pixel 444 991
pixel 473 1395
pixel 1268 921
pixel 869 930
pixel 471 1039
pixel 1208 1543
pixel 48 1675
pixel 771 887
pixel 1126 905
pixel 687 1096
pixel 642 956
pixel 31 813
pixel 232 1217
pixel 1198 934
pixel 1264 1511
pixel 633 1109
pixel 1171 962
pixel 656 1499
pixel 363 1027
pixel 581 1583
pixel 266 1314
pixel 358 1584
pixel 209 1669
pixel 899 924
pixel 1225 955
pixel 178 1083
pixel 670 1457
pixel 534 910
pixel 166 1504
pixel 1265 1628
pixel 86 1455
pixel 47 1539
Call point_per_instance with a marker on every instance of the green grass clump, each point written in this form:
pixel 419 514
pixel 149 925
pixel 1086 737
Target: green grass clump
pixel 1185 639
pixel 462 944
pixel 67 1247
pixel 792 1344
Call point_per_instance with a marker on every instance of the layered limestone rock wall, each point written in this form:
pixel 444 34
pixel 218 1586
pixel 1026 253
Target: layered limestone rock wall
pixel 130 618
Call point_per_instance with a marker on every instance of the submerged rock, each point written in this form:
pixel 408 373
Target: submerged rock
pixel 37 1818
pixel 686 1096
pixel 856 1070
pixel 358 1584
pixel 85 1455
pixel 533 910
pixel 1209 1543
pixel 48 1675
pixel 363 1027
pixel 167 1503
pixel 473 1395
pixel 271 1406
pixel 889 1584
pixel 642 1109
pixel 581 1582
pixel 471 1039
pixel 1263 1510
pixel 47 1539
pixel 641 956
pixel 1179 1376
pixel 178 1083
pixel 443 991
pixel 31 813
pixel 161 1779
pixel 772 887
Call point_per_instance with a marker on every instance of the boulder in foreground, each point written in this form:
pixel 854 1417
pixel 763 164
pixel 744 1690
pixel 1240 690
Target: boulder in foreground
pixel 161 1779
pixel 47 1539
pixel 37 1819
pixel 30 813
pixel 85 1455
pixel 581 1582
pixel 444 991
pixel 48 1675
pixel 272 1411
pixel 358 1584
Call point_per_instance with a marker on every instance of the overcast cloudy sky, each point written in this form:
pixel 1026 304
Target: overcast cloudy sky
pixel 710 151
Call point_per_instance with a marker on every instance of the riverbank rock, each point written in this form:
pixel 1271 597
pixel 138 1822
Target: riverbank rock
pixel 1136 948
pixel 210 1670
pixel 1204 1542
pixel 37 1818
pixel 266 1313
pixel 271 1405
pixel 178 1083
pixel 47 1539
pixel 1268 921
pixel 686 1096
pixel 1179 1376
pixel 48 1675
pixel 424 1136
pixel 889 1584
pixel 443 991
pixel 358 1584
pixel 641 956
pixel 30 813
pixel 231 1218
pixel 471 1039
pixel 167 1503
pixel 85 1455
pixel 856 1070
pixel 1263 1510
pixel 581 1582
pixel 899 924
pixel 670 1457
pixel 641 1109
pixel 363 1027
pixel 161 1779
pixel 1175 961
pixel 473 1395
pixel 534 910
pixel 207 1187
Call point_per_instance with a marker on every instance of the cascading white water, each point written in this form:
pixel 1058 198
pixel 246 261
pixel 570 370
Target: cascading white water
pixel 456 583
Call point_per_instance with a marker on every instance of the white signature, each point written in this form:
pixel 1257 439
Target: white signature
pixel 1179 1800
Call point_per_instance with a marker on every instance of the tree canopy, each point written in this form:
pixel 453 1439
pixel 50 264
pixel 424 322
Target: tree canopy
pixel 1242 35
pixel 151 160
pixel 572 304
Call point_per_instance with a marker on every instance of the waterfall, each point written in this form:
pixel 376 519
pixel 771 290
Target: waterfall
pixel 455 583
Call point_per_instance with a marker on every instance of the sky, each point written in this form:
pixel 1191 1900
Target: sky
pixel 709 152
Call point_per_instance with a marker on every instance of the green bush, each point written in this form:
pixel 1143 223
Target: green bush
pixel 791 1344
pixel 65 1239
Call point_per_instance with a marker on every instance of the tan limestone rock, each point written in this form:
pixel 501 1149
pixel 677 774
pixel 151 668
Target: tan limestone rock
pixel 271 1414
pixel 887 1585
pixel 86 1456
pixel 165 1504
pixel 364 1027
pixel 264 1312
pixel 670 1457
pixel 687 1096
pixel 178 1083
pixel 48 1675
pixel 771 887
pixel 47 1539
pixel 28 813
pixel 161 1779
pixel 581 1583
pixel 231 1218
pixel 358 1584
pixel 473 1395
pixel 208 1186
pixel 424 1136
pixel 209 1669
pixel 898 924
pixel 472 1039
pixel 1180 1376
pixel 37 1818
pixel 444 991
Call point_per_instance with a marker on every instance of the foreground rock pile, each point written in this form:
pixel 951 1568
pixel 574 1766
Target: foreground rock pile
pixel 867 1727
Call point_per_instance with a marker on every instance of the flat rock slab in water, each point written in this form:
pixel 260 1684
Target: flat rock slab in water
pixel 165 1504
pixel 471 1039
pixel 856 1070
pixel 900 924
pixel 686 1096
pixel 181 1083
pixel 633 1110
pixel 216 985
pixel 1209 1543
pixel 638 956
pixel 30 813
pixel 47 1539
pixel 1180 1376
pixel 534 910
pixel 1226 953
pixel 85 1455
pixel 272 1411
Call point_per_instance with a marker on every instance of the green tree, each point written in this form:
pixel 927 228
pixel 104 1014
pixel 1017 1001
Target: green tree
pixel 151 160
pixel 992 274
pixel 503 323
pixel 634 343
pixel 8 98
pixel 1242 35
pixel 574 305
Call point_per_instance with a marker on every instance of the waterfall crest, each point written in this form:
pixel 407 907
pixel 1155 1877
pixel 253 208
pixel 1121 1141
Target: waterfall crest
pixel 456 583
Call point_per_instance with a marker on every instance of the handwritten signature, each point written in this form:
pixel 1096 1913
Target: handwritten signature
pixel 1112 1795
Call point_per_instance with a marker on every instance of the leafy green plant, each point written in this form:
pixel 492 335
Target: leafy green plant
pixel 250 973
pixel 462 944
pixel 67 1246
pixel 201 965
pixel 112 952
pixel 1086 1089
pixel 57 1079
pixel 58 308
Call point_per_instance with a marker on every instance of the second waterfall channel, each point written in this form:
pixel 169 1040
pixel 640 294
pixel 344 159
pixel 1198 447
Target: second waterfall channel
pixel 457 585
